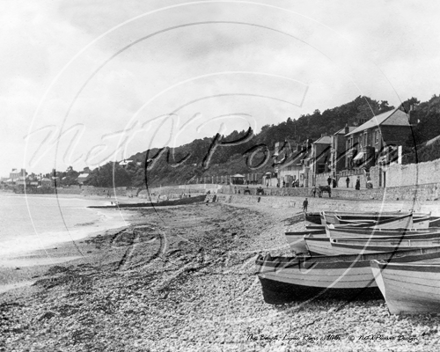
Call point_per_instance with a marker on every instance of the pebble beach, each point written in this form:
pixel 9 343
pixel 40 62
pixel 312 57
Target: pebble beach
pixel 183 279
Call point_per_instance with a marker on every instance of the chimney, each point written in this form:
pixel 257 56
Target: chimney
pixel 346 128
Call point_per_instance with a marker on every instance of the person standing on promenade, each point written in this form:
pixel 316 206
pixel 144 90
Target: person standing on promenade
pixel 329 180
pixel 358 183
pixel 305 204
pixel 347 180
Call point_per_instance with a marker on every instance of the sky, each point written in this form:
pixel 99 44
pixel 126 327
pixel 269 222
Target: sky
pixel 84 82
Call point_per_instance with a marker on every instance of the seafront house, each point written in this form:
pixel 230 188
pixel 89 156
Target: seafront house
pixel 292 170
pixel 320 158
pixel 365 143
pixel 82 177
pixel 376 142
pixel 338 150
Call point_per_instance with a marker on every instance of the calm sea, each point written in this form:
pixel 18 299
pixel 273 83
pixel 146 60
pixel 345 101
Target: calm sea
pixel 36 222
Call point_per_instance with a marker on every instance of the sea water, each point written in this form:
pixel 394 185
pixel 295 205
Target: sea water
pixel 36 222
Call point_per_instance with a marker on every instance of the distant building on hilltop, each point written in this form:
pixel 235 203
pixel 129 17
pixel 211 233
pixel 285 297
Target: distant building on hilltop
pixel 15 174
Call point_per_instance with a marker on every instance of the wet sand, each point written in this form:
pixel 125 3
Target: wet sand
pixel 183 279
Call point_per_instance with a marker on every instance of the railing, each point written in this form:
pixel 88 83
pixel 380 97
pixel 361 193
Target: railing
pixel 354 172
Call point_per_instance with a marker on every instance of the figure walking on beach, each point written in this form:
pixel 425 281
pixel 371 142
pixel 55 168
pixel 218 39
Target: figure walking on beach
pixel 329 180
pixel 358 183
pixel 347 180
pixel 305 204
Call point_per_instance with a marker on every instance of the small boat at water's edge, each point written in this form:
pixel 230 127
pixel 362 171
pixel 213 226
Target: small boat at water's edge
pixel 182 201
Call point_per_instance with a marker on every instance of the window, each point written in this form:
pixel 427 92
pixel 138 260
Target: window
pixel 377 136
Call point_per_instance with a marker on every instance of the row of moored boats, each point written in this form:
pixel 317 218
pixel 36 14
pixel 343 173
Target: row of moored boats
pixel 360 255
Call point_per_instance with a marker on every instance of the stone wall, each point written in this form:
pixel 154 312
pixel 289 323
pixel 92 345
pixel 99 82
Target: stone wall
pixel 291 205
pixel 413 174
pixel 419 193
pixel 188 189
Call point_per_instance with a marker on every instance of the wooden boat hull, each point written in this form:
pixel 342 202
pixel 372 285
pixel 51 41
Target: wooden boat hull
pixel 402 221
pixel 296 239
pixel 285 279
pixel 355 232
pixel 330 246
pixel 409 288
pixel 313 218
pixel 183 201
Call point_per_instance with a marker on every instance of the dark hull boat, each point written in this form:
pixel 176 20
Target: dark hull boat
pixel 182 201
pixel 314 218
pixel 286 279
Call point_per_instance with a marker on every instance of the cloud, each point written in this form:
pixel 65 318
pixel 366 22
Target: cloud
pixel 337 50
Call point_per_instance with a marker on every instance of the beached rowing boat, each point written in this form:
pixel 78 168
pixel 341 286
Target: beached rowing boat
pixel 337 216
pixel 314 218
pixel 285 279
pixel 332 246
pixel 401 221
pixel 408 288
pixel 182 201
pixel 355 232
pixel 296 239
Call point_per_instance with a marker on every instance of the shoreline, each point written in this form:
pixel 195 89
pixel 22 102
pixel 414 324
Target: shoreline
pixel 183 279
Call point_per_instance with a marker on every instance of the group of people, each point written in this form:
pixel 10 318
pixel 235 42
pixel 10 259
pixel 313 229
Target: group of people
pixel 357 185
pixel 332 182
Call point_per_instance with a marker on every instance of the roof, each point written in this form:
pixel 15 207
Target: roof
pixel 238 175
pixel 394 117
pixel 342 130
pixel 323 140
pixel 295 159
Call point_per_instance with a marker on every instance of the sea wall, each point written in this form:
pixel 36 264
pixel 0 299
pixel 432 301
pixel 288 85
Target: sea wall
pixel 187 189
pixel 294 204
pixel 413 174
pixel 418 193
pixel 291 205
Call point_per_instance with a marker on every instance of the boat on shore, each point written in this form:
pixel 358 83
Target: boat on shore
pixel 400 221
pixel 408 288
pixel 296 239
pixel 181 201
pixel 313 218
pixel 285 279
pixel 333 246
pixel 355 232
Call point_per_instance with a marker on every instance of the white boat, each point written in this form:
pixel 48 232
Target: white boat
pixel 332 246
pixel 355 232
pixel 400 221
pixel 409 288
pixel 296 239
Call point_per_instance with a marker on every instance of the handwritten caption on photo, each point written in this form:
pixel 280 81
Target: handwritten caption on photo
pixel 330 337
